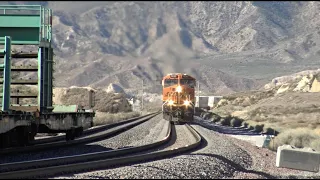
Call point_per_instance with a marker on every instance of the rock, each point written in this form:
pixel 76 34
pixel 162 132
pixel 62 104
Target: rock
pixel 222 102
pixel 114 88
pixel 304 84
pixel 283 88
pixel 315 87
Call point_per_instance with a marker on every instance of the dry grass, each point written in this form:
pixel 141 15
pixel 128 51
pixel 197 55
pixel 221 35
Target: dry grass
pixel 282 121
pixel 152 106
pixel 245 99
pixel 300 137
pixel 102 118
pixel 281 114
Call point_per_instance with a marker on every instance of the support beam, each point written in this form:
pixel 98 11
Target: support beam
pixel 22 55
pixel 32 27
pixel 6 75
pixel 22 81
pixel 21 68
pixel 45 67
pixel 22 96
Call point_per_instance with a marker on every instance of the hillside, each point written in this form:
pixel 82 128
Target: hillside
pixel 227 46
pixel 289 104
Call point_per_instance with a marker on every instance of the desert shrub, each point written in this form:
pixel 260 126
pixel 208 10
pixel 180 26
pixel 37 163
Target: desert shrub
pixel 244 124
pixel 207 115
pixel 258 127
pixel 215 118
pixel 202 114
pixel 300 137
pixel 250 127
pixel 235 122
pixel 268 130
pixel 315 144
pixel 225 121
pixel 220 121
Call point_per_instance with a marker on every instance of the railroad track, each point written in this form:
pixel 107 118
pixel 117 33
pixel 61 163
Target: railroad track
pixel 89 131
pixel 95 161
pixel 114 129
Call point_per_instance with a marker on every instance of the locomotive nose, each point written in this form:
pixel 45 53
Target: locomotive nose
pixel 179 89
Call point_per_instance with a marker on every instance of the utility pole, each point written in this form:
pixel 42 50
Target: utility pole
pixel 198 94
pixel 142 96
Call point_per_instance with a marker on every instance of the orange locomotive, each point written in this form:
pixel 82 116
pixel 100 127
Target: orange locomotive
pixel 178 96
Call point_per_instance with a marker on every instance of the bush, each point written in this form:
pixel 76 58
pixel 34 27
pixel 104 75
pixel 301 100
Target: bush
pixel 235 122
pixel 207 115
pixel 300 138
pixel 215 118
pixel 202 114
pixel 250 127
pixel 245 124
pixel 258 127
pixel 270 131
pixel 225 121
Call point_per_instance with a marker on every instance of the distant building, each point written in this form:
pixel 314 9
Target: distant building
pixel 207 101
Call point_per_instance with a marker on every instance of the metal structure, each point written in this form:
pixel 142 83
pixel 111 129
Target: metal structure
pixel 24 26
pixel 29 25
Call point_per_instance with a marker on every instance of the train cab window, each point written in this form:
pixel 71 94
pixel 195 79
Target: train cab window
pixel 189 82
pixel 170 82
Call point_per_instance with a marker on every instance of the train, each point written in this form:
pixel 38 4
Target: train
pixel 178 98
pixel 25 26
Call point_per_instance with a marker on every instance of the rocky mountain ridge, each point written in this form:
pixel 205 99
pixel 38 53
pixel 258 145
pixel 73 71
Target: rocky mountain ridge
pixel 227 46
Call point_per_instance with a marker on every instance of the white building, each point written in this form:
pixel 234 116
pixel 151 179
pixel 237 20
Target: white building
pixel 207 101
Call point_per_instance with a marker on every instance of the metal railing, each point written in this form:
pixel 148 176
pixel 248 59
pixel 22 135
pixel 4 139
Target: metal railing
pixel 44 14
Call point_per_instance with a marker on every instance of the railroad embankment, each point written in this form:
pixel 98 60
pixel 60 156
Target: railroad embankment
pixel 288 107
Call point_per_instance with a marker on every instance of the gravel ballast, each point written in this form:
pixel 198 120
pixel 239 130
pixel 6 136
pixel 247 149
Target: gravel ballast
pixel 263 159
pixel 222 156
pixel 153 128
pixel 219 159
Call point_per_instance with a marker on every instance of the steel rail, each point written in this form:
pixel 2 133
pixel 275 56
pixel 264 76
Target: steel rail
pixel 77 141
pixel 83 157
pixel 90 131
pixel 102 164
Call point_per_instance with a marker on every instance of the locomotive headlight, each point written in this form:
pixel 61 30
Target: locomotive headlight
pixel 179 89
pixel 186 102
pixel 170 102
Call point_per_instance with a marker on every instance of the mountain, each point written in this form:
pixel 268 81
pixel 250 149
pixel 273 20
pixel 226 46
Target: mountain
pixel 227 46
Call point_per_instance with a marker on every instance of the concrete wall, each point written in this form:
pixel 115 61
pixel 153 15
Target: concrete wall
pixel 304 159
